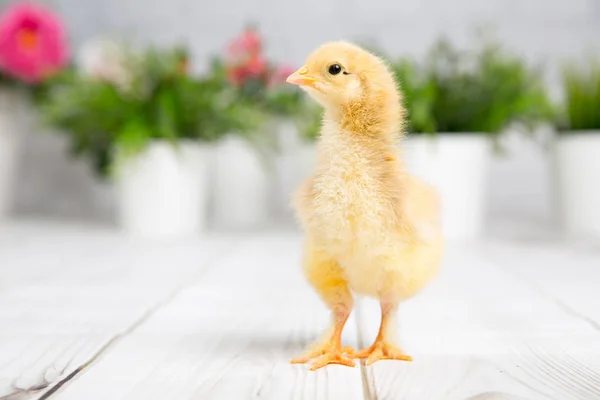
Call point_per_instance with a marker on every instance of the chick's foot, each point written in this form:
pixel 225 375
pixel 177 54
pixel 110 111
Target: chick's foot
pixel 381 350
pixel 332 357
pixel 326 354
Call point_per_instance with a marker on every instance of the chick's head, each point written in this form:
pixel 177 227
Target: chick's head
pixel 338 74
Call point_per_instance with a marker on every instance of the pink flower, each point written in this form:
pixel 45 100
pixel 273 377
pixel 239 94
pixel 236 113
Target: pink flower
pixel 32 42
pixel 236 76
pixel 107 60
pixel 249 43
pixel 245 59
pixel 256 66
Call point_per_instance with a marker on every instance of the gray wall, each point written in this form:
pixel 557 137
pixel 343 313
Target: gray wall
pixel 543 30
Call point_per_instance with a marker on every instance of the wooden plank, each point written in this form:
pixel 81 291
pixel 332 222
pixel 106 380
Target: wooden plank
pixel 73 291
pixel 230 336
pixel 480 333
pixel 37 251
pixel 566 273
pixel 503 321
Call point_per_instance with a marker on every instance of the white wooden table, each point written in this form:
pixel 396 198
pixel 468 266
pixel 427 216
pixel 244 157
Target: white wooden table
pixel 88 314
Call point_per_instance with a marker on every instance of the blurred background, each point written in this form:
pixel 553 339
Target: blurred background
pixel 497 177
pixel 171 120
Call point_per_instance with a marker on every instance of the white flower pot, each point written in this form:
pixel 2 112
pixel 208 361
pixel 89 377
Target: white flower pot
pixel 578 173
pixel 13 121
pixel 162 192
pixel 286 134
pixel 456 165
pixel 241 186
pixel 293 166
pixel 8 161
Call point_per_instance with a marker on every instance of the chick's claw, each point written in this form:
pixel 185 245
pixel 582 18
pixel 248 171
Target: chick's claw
pixel 381 351
pixel 332 357
pixel 327 355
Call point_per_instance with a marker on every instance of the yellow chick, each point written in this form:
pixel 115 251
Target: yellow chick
pixel 371 228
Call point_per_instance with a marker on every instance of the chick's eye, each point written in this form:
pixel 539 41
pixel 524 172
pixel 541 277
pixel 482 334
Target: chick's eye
pixel 335 69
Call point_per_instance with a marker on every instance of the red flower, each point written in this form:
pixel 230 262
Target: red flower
pixel 236 76
pixel 256 67
pixel 249 43
pixel 32 42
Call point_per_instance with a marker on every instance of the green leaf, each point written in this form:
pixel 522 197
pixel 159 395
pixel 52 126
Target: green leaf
pixel 582 93
pixel 132 138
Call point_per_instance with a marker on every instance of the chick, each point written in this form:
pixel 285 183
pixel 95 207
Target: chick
pixel 371 228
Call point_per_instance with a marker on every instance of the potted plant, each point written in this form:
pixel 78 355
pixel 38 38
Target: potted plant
pixel 577 151
pixel 245 174
pixel 32 48
pixel 459 103
pixel 143 120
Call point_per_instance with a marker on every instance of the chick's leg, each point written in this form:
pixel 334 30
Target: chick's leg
pixel 382 349
pixel 327 278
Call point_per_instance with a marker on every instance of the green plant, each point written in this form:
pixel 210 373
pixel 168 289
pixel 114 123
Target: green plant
pixel 472 92
pixel 283 101
pixel 418 94
pixel 582 98
pixel 154 97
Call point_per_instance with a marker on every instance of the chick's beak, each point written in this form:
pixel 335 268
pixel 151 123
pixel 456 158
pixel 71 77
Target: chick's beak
pixel 301 78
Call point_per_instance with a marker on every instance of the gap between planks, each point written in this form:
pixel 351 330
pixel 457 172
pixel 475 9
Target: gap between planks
pixel 131 329
pixel 362 344
pixel 566 306
pixel 498 349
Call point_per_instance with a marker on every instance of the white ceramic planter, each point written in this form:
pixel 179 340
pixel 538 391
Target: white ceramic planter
pixel 163 191
pixel 578 181
pixel 286 135
pixel 293 166
pixel 241 186
pixel 456 165
pixel 295 161
pixel 13 109
pixel 8 160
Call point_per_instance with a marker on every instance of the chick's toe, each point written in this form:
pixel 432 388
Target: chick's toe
pixel 381 351
pixel 322 350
